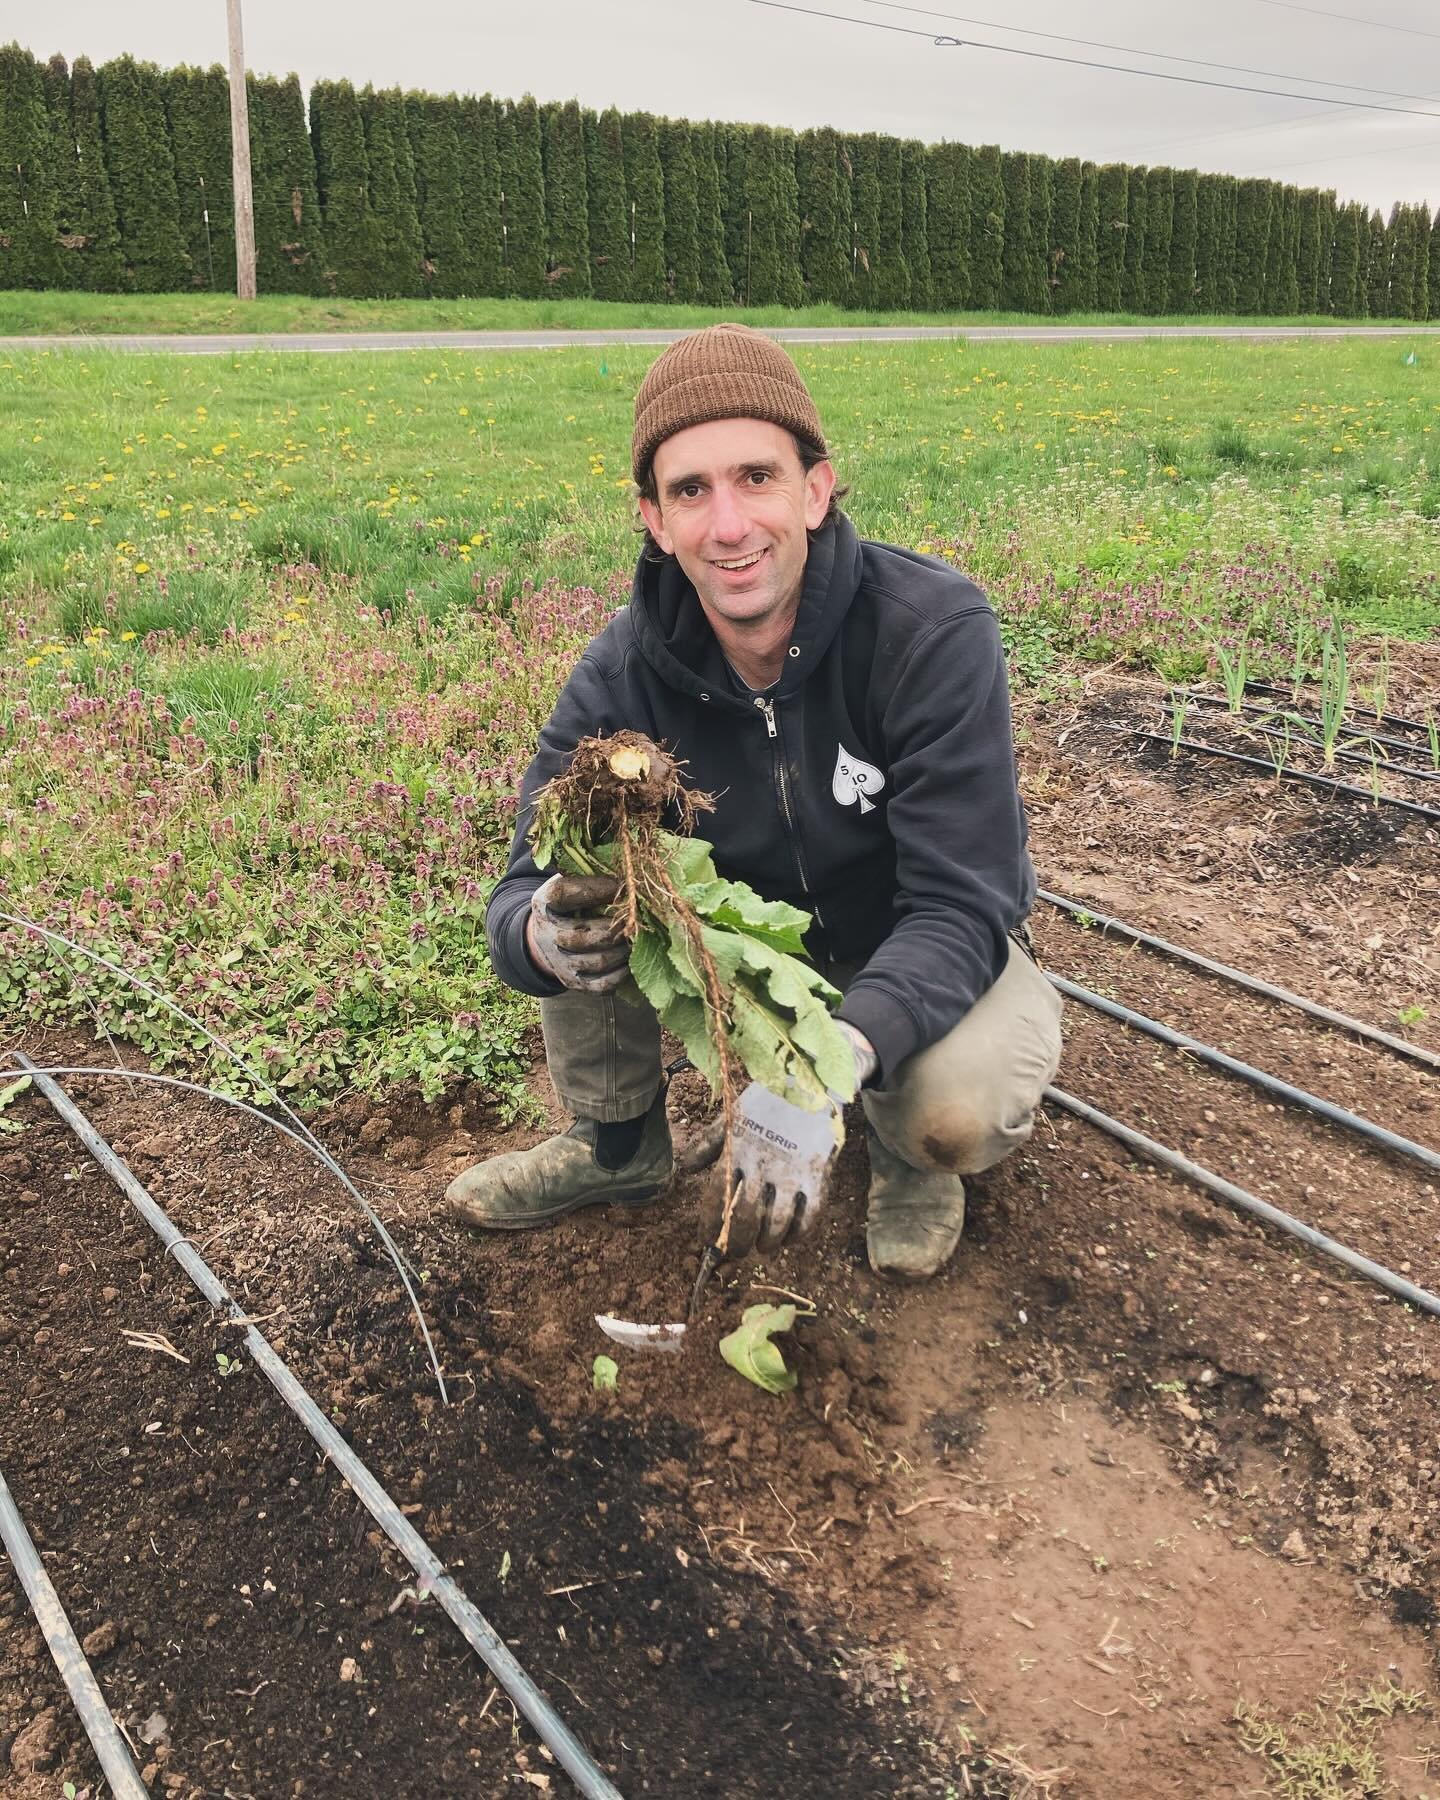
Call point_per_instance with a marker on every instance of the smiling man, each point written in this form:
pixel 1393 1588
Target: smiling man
pixel 846 703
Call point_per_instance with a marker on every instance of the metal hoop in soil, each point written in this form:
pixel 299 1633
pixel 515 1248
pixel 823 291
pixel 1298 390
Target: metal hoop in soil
pixel 1251 983
pixel 488 1645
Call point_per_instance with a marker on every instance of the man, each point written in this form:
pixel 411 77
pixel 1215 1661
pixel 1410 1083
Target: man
pixel 846 704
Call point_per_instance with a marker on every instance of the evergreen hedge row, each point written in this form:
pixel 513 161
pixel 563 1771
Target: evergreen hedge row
pixel 119 179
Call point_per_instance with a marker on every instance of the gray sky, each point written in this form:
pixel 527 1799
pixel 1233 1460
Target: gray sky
pixel 733 59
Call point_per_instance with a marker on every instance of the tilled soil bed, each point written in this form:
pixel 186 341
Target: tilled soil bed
pixel 1132 1480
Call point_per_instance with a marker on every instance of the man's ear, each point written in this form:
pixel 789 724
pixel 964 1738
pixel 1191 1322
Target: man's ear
pixel 655 523
pixel 819 486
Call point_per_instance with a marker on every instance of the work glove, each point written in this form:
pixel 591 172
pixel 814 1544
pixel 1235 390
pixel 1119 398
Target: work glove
pixel 571 936
pixel 782 1160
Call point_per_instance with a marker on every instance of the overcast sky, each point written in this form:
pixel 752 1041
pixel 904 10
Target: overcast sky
pixel 735 59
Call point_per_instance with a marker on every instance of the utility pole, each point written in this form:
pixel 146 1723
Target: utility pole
pixel 240 158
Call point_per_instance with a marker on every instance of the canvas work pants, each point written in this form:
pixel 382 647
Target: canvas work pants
pixel 956 1107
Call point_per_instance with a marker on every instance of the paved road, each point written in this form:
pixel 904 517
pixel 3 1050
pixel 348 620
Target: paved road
pixel 198 344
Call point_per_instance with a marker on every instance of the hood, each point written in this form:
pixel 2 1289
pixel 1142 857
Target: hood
pixel 675 638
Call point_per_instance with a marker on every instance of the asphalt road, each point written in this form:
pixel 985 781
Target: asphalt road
pixel 199 344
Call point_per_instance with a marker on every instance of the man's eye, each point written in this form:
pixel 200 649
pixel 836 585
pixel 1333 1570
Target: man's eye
pixel 759 475
pixel 689 491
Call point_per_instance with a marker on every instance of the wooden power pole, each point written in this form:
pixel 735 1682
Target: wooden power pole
pixel 240 158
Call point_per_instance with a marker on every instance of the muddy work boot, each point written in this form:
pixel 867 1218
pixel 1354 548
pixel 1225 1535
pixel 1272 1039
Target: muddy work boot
pixel 533 1187
pixel 915 1217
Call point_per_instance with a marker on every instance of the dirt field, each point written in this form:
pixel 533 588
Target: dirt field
pixel 1134 1478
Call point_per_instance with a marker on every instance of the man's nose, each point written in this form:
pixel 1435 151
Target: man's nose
pixel 728 520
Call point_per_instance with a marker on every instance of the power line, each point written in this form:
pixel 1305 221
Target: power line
pixel 1076 62
pixel 1350 18
pixel 1197 62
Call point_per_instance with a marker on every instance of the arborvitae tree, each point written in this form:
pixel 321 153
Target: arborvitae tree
pixel 399 251
pixel 1111 236
pixel 732 149
pixel 774 273
pixel 1346 293
pixel 567 213
pixel 1377 269
pixel 1184 242
pixel 352 242
pixel 914 226
pixel 1409 262
pixel 715 286
pixel 1254 205
pixel 1289 296
pixel 1207 244
pixel 1085 272
pixel 948 222
pixel 289 242
pixel 69 190
pixel 1277 251
pixel 892 272
pixel 609 208
pixel 1229 234
pixel 29 250
pixel 480 183
pixel 1134 291
pixel 1042 197
pixel 522 168
pixel 682 211
pixel 824 188
pixel 1307 265
pixel 1159 230
pixel 141 166
pixel 1432 282
pixel 104 262
pixel 987 227
pixel 645 182
pixel 1021 290
pixel 197 102
pixel 1064 257
pixel 432 126
pixel 1420 230
pixel 864 154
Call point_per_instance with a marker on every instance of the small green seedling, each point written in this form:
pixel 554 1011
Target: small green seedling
pixel 504 1568
pixel 1412 1015
pixel 606 1375
pixel 227 1365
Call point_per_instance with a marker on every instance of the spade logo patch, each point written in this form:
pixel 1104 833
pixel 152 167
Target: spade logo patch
pixel 854 779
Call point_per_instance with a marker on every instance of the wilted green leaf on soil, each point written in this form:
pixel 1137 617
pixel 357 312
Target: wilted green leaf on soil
pixel 606 1375
pixel 749 1349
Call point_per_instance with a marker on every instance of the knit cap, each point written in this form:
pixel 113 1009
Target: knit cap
pixel 722 372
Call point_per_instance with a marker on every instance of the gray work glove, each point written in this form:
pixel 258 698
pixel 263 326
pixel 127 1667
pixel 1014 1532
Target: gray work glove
pixel 571 936
pixel 782 1160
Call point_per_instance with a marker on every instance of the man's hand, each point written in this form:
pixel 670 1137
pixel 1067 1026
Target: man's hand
pixel 570 935
pixel 782 1160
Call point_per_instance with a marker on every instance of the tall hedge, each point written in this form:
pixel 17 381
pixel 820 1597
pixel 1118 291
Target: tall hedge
pixel 1134 293
pixel 1254 204
pixel 609 208
pixel 891 273
pixel 866 248
pixel 715 284
pixel 432 126
pixel 1433 268
pixel 65 177
pixel 352 244
pixel 102 250
pixel 645 184
pixel 522 168
pixel 987 227
pixel 197 104
pixel 1159 229
pixel 1184 242
pixel 1065 254
pixel 29 252
pixel 1024 254
pixel 948 221
pixel 289 240
pixel 774 207
pixel 1347 292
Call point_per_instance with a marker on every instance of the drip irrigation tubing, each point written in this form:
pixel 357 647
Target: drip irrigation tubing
pixel 1261 1078
pixel 392 1250
pixel 110 1748
pixel 1252 983
pixel 1307 719
pixel 481 1636
pixel 1259 762
pixel 1270 687
pixel 1248 1202
pixel 1336 753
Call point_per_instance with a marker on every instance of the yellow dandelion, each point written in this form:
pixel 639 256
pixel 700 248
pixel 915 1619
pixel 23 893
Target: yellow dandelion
pixel 217 449
pixel 142 568
pixel 127 637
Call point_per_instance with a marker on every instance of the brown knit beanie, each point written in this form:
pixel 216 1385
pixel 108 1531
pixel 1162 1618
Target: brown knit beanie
pixel 722 372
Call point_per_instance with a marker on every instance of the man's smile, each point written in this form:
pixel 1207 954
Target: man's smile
pixel 739 562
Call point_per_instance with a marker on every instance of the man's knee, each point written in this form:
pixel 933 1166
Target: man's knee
pixel 954 1133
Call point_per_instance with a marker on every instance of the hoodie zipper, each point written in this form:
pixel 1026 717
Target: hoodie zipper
pixel 782 787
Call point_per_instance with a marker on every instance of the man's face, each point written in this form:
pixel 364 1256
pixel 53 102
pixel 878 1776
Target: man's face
pixel 733 506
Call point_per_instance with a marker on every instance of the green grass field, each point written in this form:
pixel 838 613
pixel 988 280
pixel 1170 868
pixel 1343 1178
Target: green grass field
pixel 277 631
pixel 35 314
